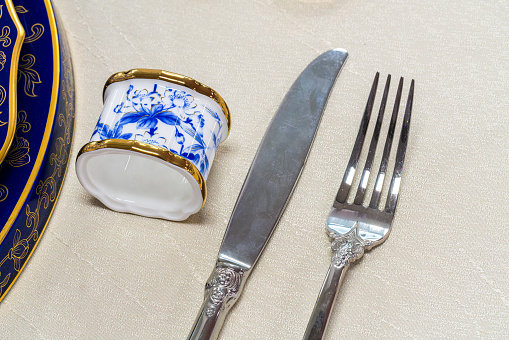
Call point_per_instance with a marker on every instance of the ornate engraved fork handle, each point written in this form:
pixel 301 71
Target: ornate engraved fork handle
pixel 346 248
pixel 221 292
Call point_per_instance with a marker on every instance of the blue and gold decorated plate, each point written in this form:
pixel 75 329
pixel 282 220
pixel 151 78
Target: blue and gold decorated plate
pixel 33 170
pixel 11 39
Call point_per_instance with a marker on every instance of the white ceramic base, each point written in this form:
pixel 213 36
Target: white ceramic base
pixel 133 182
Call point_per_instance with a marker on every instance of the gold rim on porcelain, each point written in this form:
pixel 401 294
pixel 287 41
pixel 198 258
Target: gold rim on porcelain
pixel 150 150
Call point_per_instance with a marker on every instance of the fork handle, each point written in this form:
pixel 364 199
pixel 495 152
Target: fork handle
pixel 346 248
pixel 325 302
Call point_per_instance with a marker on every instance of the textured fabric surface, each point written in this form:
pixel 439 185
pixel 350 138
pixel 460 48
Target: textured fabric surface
pixel 442 273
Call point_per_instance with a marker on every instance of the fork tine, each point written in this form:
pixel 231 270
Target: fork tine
pixel 359 197
pixel 344 188
pixel 375 197
pixel 392 198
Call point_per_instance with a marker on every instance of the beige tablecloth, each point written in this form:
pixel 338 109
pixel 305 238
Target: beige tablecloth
pixel 444 271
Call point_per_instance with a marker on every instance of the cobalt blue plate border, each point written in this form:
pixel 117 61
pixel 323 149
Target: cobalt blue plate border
pixel 33 172
pixel 11 38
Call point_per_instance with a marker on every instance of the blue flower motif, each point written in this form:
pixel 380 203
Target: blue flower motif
pixel 197 152
pixel 179 137
pixel 197 121
pixel 149 110
pixel 105 132
pixel 118 108
pixel 154 141
pixel 181 100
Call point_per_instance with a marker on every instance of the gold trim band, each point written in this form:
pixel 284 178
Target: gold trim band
pixel 174 78
pixel 150 150
pixel 13 84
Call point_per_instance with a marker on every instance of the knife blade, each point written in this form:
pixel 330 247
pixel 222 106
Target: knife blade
pixel 267 188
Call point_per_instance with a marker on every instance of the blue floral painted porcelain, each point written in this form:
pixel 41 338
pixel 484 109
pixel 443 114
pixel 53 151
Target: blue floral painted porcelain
pixel 169 117
pixel 154 113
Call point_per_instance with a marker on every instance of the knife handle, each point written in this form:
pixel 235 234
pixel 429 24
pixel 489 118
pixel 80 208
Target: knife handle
pixel 325 302
pixel 222 290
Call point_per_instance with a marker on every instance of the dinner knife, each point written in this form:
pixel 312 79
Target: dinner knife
pixel 267 188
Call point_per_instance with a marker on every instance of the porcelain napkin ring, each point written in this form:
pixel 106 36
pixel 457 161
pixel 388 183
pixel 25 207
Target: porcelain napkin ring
pixel 152 148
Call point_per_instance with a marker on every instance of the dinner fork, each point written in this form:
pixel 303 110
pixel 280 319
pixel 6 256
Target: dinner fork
pixel 355 227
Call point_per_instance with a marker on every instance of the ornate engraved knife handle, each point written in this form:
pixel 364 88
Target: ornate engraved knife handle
pixel 221 292
pixel 346 248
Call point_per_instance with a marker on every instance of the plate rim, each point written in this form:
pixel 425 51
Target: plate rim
pixel 13 84
pixel 62 113
pixel 48 128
